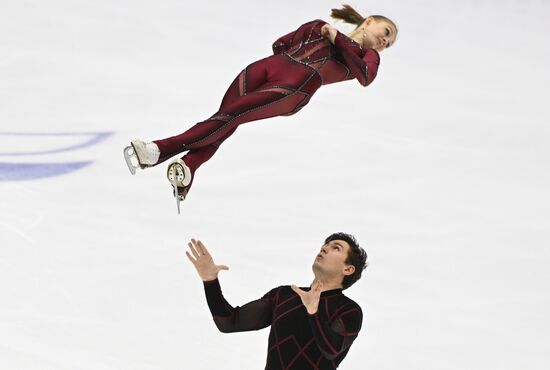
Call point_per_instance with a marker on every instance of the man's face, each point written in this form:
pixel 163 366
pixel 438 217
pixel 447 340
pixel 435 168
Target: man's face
pixel 331 260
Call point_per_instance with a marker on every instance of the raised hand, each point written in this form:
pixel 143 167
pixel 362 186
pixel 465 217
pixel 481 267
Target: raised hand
pixel 203 262
pixel 311 298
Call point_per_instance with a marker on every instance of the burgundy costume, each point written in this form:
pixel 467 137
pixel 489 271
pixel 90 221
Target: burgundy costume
pixel 297 340
pixel 278 85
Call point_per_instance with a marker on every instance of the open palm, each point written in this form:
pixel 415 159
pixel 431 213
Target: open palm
pixel 203 261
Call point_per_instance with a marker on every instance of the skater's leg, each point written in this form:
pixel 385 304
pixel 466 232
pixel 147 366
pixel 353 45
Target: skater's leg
pixel 251 96
pixel 257 105
pixel 196 157
pixel 249 79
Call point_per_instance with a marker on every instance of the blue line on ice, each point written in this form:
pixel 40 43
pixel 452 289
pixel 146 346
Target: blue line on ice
pixel 92 139
pixel 32 171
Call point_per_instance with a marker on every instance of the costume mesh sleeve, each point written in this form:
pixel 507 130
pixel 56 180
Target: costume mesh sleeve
pixel 334 338
pixel 363 67
pixel 283 43
pixel 254 315
pixel 291 39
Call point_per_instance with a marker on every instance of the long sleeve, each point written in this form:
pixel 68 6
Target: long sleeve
pixel 363 66
pixel 254 315
pixel 334 338
pixel 284 43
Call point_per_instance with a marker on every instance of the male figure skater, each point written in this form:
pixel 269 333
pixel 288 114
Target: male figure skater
pixel 311 328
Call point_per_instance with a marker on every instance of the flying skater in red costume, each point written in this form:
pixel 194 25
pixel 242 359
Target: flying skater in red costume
pixel 315 54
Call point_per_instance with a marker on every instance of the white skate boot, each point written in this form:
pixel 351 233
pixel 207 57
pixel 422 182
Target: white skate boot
pixel 140 154
pixel 179 176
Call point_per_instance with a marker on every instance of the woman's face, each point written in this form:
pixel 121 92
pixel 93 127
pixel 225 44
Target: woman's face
pixel 378 35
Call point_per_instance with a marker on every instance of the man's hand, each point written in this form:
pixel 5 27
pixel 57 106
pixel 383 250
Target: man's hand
pixel 311 298
pixel 203 262
pixel 329 32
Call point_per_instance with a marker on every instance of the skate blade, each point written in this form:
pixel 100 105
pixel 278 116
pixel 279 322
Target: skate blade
pixel 177 196
pixel 129 156
pixel 174 183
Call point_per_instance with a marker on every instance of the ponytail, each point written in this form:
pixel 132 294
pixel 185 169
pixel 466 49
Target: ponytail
pixel 348 15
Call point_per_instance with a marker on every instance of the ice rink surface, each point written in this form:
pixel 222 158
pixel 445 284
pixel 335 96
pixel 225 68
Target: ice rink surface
pixel 440 168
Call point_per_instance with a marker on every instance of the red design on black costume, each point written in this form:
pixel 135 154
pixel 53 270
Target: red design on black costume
pixel 297 340
pixel 278 85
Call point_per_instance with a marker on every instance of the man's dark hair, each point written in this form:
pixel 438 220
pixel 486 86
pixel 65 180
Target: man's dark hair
pixel 356 257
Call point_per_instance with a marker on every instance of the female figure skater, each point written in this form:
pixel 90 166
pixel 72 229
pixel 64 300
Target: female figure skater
pixel 315 54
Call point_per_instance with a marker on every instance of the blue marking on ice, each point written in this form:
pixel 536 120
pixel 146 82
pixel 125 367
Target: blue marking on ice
pixel 95 137
pixel 33 171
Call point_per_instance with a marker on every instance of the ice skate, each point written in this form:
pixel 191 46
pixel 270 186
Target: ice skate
pixel 179 176
pixel 141 155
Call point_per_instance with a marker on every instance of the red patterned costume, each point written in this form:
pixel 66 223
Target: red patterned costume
pixel 279 85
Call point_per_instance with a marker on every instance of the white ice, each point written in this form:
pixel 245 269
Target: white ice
pixel 441 168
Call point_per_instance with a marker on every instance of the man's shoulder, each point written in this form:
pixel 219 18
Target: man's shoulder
pixel 344 304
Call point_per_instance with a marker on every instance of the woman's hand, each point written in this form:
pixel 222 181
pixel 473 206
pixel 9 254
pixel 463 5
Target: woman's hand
pixel 329 32
pixel 203 262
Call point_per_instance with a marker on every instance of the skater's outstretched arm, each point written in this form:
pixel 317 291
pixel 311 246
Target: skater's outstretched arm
pixel 254 315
